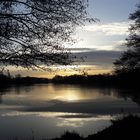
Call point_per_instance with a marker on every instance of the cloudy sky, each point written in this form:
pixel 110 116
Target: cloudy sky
pixel 100 42
pixel 112 29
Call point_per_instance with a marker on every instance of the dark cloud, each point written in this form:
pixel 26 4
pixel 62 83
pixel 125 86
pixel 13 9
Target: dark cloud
pixel 100 58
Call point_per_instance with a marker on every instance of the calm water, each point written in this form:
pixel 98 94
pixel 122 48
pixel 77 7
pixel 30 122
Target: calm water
pixel 47 111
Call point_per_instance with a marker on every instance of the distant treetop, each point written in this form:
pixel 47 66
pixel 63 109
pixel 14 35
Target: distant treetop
pixel 130 60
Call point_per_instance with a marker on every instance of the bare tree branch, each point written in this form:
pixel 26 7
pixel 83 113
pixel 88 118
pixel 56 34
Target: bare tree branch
pixel 32 32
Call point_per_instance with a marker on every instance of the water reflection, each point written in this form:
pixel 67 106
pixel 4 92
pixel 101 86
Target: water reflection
pixel 52 92
pixel 80 120
pixel 48 126
pixel 61 107
pixel 68 98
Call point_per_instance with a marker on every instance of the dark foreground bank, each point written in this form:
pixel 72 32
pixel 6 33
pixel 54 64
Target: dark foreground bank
pixel 126 128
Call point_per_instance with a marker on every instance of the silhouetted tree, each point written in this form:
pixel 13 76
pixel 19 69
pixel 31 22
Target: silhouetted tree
pixel 32 32
pixel 130 60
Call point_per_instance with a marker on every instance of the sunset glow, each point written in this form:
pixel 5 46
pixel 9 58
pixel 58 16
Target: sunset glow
pixel 69 69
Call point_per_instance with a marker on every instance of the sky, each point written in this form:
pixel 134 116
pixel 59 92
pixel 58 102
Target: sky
pixel 100 42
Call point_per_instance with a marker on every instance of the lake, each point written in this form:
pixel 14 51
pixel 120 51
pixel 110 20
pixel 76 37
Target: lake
pixel 49 110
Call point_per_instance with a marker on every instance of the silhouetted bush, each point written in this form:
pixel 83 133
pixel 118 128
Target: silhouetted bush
pixel 126 128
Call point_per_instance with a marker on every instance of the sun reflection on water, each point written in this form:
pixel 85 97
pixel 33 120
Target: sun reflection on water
pixel 69 97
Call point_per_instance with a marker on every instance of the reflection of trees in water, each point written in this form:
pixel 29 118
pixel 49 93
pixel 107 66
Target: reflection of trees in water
pixel 4 90
pixel 133 94
pixel 20 89
pixel 126 94
pixel 0 98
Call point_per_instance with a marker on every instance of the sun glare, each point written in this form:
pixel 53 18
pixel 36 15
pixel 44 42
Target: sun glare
pixel 68 97
pixel 72 97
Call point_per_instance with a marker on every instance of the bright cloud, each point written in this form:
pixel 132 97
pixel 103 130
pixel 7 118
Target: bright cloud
pixel 109 29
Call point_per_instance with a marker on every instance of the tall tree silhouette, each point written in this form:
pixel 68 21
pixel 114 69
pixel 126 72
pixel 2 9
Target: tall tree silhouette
pixel 130 60
pixel 32 32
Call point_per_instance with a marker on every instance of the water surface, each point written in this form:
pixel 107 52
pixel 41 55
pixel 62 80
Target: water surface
pixel 48 110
